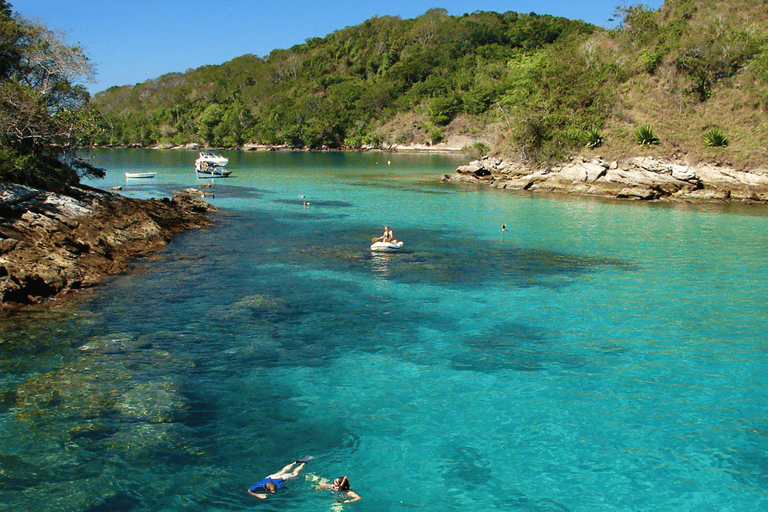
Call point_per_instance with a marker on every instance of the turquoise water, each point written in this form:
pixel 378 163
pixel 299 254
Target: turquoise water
pixel 597 356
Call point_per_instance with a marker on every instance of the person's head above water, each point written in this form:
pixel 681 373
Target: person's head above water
pixel 341 483
pixel 270 486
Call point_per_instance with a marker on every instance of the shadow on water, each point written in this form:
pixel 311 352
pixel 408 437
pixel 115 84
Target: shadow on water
pixel 176 375
pixel 241 294
pixel 512 346
pixel 415 187
pixel 432 258
pixel 217 191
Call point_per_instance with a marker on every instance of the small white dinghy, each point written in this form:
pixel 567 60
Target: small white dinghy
pixel 387 246
pixel 140 175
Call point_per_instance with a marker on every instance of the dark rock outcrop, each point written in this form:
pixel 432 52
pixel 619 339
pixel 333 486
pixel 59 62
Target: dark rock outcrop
pixel 53 243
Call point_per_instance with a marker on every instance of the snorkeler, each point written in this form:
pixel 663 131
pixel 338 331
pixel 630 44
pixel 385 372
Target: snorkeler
pixel 276 481
pixel 340 485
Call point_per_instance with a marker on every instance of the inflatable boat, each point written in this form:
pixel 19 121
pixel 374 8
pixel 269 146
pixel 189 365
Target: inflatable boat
pixel 386 246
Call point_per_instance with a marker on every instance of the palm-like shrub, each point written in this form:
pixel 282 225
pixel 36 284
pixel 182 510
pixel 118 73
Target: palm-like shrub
pixel 645 135
pixel 715 138
pixel 593 138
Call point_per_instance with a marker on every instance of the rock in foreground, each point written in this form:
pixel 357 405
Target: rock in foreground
pixel 52 243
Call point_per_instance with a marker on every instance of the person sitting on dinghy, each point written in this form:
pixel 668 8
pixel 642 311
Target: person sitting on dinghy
pixel 388 236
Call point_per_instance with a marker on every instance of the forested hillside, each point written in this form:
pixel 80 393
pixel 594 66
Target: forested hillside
pixel 341 89
pixel 536 87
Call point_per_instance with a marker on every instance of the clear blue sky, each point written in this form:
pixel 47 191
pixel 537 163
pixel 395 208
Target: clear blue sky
pixel 131 41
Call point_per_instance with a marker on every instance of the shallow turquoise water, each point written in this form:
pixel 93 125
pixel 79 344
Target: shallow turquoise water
pixel 597 356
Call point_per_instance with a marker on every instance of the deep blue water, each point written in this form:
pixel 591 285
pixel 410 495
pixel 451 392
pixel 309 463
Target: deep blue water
pixel 598 355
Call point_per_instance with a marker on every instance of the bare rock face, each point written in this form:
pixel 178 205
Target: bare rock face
pixel 645 178
pixel 53 243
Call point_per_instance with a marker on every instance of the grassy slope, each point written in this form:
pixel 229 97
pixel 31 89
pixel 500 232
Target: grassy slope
pixel 738 104
pixel 724 34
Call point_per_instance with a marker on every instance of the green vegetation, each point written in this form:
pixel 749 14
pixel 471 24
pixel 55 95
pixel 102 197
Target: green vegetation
pixel 593 138
pixel 715 138
pixel 645 136
pixel 44 117
pixel 534 87
pixel 538 88
pixel 698 62
pixel 347 88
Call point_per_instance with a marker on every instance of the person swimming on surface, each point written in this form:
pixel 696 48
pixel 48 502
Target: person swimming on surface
pixel 340 485
pixel 276 481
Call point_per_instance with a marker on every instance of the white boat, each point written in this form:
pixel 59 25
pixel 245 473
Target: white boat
pixel 387 246
pixel 210 164
pixel 208 170
pixel 213 157
pixel 148 174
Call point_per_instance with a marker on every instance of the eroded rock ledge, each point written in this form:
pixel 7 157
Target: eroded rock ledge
pixel 645 178
pixel 53 243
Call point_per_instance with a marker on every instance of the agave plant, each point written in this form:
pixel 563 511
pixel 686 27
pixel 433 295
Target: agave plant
pixel 645 135
pixel 715 138
pixel 593 138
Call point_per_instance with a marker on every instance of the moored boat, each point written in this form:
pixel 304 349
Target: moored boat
pixel 213 157
pixel 210 164
pixel 207 170
pixel 140 175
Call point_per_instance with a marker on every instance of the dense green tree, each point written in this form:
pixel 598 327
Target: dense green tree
pixel 44 117
pixel 443 108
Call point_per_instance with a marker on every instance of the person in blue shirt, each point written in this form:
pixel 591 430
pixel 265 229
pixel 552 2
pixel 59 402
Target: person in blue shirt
pixel 277 480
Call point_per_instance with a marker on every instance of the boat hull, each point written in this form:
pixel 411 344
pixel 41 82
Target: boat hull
pixel 140 175
pixel 214 174
pixel 386 246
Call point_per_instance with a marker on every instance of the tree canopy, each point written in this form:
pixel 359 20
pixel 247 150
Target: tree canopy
pixel 339 90
pixel 44 115
pixel 544 87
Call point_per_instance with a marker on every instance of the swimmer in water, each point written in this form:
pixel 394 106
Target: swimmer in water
pixel 277 480
pixel 340 485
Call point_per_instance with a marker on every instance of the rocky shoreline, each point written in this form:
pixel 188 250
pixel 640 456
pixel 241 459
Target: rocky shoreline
pixel 448 146
pixel 51 244
pixel 641 178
